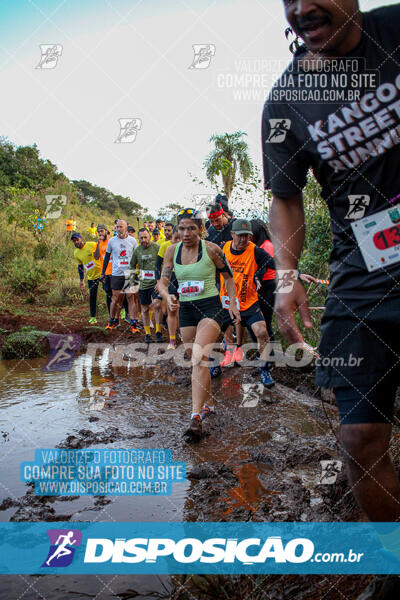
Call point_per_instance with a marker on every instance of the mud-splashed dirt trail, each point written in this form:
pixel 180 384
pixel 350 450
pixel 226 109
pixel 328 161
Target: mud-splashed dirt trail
pixel 259 460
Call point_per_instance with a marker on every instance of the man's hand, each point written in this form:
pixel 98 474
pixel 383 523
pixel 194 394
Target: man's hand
pixel 172 302
pixel 234 314
pixel 307 278
pixel 286 304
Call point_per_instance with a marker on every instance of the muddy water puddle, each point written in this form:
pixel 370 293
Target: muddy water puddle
pixel 258 458
pixel 78 409
pixel 95 404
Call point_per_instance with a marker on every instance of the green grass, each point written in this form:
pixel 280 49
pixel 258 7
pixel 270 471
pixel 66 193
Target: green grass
pixel 44 273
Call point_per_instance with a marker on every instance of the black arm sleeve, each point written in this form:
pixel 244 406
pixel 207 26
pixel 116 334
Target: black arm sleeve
pixel 105 263
pixel 264 262
pixel 159 265
pixel 81 272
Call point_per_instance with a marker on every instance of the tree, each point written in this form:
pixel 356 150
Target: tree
pixel 229 158
pixel 318 240
pixel 105 200
pixel 22 167
pixel 19 208
pixel 170 211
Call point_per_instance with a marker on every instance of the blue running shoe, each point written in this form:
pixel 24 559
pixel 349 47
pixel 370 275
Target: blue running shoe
pixel 266 378
pixel 206 412
pixel 215 371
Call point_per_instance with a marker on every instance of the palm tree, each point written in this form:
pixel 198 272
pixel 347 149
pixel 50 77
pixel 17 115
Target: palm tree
pixel 229 158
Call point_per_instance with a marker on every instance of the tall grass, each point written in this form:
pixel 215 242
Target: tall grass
pixel 44 272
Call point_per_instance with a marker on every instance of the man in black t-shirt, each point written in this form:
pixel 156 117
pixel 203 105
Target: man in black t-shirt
pixel 336 109
pixel 220 225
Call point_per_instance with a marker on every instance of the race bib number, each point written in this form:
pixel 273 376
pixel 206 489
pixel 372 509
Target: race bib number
pixel 378 237
pixel 189 289
pixel 90 265
pixel 146 275
pixel 226 302
pixel 123 262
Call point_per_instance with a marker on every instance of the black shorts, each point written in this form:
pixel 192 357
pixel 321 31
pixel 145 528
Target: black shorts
pixel 147 296
pixel 247 317
pixel 360 357
pixel 117 282
pixel 366 403
pixel 193 311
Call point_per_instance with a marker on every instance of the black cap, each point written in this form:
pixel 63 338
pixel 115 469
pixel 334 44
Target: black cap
pixel 222 200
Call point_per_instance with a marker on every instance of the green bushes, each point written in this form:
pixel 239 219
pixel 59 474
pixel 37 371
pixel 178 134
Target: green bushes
pixel 25 274
pixel 64 292
pixel 41 251
pixel 25 343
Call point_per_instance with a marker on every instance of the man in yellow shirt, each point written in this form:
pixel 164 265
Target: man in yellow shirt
pixel 160 226
pixel 92 231
pixel 83 254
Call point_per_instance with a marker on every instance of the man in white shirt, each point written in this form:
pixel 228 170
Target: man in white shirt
pixel 120 249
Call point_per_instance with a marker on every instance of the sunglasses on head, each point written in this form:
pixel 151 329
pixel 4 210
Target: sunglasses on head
pixel 186 211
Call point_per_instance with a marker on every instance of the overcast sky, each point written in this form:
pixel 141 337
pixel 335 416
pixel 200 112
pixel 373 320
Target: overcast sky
pixel 130 60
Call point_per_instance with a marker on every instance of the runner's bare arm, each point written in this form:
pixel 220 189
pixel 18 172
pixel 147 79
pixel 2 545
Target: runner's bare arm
pixel 166 272
pixel 96 253
pixel 288 230
pixel 133 264
pixel 219 258
pixel 223 267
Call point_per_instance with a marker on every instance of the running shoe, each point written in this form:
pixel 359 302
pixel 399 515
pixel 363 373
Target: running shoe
pixel 92 321
pixel 266 378
pixel 228 359
pixel 133 329
pixel 147 338
pixel 159 337
pixel 171 345
pixel 112 324
pixel 195 430
pixel 123 313
pixel 215 371
pixel 127 319
pixel 206 412
pixel 238 355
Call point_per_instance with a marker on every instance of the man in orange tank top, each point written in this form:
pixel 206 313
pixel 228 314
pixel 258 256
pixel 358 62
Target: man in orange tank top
pixel 249 264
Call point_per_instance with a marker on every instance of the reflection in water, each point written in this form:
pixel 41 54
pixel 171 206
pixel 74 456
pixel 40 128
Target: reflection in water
pixel 249 492
pixel 42 409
